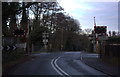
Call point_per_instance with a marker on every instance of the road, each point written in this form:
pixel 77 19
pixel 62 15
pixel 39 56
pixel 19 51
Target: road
pixel 63 64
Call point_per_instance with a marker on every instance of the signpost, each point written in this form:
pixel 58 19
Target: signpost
pixel 45 39
pixel 98 32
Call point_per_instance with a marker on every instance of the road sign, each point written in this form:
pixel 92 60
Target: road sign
pixel 100 30
pixel 45 35
pixel 9 48
pixel 19 32
pixel 45 39
pixel 103 37
pixel 90 37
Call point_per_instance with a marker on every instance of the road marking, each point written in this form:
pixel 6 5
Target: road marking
pixel 81 57
pixel 57 68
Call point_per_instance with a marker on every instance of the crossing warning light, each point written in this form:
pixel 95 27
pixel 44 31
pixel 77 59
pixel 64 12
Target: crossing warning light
pixel 19 32
pixel 100 30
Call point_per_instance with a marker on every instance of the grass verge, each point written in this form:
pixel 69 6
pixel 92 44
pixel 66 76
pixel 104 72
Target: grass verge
pixel 12 58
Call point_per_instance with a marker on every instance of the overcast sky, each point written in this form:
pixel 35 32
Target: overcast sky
pixel 106 13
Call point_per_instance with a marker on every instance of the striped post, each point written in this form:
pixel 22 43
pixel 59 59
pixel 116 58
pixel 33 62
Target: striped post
pixel 97 43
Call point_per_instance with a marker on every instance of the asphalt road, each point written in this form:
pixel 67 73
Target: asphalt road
pixel 62 64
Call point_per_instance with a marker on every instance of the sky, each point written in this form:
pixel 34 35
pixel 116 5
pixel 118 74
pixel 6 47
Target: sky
pixel 106 13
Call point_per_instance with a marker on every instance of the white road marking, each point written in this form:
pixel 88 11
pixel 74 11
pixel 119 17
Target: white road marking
pixel 77 52
pixel 92 55
pixel 57 67
pixel 81 57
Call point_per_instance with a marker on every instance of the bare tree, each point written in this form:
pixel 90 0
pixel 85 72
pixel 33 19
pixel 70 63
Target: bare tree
pixel 88 31
pixel 113 33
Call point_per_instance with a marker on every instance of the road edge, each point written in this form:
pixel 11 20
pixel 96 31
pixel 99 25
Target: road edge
pixel 15 63
pixel 82 59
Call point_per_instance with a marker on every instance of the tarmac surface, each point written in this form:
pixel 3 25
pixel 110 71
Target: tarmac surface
pixel 94 61
pixel 70 64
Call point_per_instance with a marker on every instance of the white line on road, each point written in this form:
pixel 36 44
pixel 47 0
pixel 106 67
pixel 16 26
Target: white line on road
pixel 57 67
pixel 81 57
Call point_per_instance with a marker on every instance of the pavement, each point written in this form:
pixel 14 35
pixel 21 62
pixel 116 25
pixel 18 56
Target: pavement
pixel 94 61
